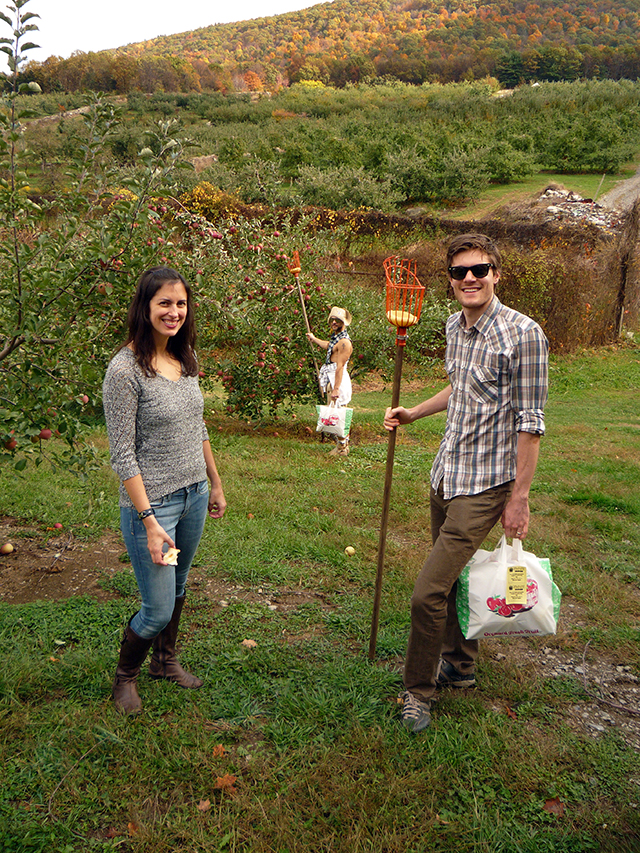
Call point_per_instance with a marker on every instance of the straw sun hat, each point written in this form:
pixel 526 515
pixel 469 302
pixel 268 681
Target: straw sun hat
pixel 341 314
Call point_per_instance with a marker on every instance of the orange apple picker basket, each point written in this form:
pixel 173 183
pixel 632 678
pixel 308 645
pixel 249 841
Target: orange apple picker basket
pixel 404 296
pixel 403 306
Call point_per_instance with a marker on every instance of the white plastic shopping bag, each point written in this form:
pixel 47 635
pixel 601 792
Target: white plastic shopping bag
pixel 508 592
pixel 335 420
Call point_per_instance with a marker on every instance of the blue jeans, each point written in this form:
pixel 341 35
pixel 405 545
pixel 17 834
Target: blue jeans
pixel 182 514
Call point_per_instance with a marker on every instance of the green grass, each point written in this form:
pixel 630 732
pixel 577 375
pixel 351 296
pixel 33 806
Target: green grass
pixel 41 500
pixel 308 725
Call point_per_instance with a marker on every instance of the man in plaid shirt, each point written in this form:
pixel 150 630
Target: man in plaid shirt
pixel 497 362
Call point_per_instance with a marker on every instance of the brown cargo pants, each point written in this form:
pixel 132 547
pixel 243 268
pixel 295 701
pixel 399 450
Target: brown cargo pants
pixel 458 528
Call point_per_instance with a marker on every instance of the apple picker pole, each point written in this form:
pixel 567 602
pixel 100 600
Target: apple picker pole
pixel 403 306
pixel 295 269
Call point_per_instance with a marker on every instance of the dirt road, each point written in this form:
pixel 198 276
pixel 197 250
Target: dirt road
pixel 623 195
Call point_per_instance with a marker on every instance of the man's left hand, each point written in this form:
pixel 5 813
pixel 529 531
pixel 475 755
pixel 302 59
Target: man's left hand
pixel 515 518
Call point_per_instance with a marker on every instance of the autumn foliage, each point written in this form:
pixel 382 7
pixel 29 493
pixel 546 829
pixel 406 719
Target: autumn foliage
pixel 350 41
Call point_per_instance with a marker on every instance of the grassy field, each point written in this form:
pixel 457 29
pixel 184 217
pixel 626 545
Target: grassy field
pixel 294 745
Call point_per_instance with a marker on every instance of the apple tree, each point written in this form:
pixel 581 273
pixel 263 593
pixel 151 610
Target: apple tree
pixel 68 264
pixel 252 312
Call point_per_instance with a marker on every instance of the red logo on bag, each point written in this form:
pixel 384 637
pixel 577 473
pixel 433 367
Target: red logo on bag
pixel 332 421
pixel 500 606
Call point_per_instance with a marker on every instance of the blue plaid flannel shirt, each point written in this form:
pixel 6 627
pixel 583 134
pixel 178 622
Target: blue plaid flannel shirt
pixel 498 369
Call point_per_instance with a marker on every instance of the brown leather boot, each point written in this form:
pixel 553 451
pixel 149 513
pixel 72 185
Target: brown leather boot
pixel 164 663
pixel 133 651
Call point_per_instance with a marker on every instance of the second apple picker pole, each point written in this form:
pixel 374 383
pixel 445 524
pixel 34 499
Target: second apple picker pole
pixel 403 306
pixel 295 269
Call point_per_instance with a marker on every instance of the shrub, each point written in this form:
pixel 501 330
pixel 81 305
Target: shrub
pixel 345 187
pixel 210 202
pixel 506 164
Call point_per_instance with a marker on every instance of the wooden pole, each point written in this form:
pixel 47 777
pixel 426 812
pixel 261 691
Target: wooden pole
pixel 294 267
pixel 296 271
pixel 306 322
pixel 391 449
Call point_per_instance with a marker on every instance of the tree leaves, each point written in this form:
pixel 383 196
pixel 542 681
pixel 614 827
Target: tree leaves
pixel 226 784
pixel 554 806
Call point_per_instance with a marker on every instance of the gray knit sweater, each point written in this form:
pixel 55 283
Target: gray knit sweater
pixel 155 427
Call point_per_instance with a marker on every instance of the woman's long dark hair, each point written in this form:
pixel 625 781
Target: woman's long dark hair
pixel 181 345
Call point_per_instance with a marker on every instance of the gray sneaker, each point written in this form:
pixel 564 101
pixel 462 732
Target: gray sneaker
pixel 448 676
pixel 415 714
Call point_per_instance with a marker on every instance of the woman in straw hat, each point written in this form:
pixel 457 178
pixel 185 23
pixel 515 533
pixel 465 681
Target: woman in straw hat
pixel 334 376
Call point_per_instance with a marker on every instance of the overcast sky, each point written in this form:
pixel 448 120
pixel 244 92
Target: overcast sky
pixel 69 25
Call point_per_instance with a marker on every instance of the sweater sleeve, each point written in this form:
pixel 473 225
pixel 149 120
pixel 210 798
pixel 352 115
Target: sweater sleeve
pixel 120 399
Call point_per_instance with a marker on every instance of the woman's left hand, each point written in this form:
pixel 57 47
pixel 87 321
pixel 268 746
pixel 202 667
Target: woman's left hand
pixel 217 503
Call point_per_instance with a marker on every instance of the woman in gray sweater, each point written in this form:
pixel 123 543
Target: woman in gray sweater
pixel 160 450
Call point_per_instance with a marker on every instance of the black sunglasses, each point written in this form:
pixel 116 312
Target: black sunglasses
pixel 477 270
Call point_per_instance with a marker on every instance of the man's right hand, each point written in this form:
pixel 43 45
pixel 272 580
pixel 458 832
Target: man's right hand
pixel 395 417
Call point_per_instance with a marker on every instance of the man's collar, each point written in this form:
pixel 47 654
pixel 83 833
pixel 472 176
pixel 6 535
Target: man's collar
pixel 485 319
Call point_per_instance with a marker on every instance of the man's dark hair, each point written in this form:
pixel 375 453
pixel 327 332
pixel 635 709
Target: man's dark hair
pixel 464 242
pixel 181 345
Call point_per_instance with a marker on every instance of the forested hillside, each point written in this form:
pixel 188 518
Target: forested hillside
pixel 351 40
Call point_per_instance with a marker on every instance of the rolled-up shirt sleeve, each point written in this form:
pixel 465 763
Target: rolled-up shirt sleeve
pixel 120 400
pixel 530 381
